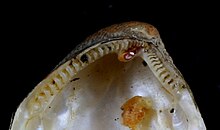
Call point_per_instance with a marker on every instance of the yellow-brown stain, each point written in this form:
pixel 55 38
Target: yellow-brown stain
pixel 137 113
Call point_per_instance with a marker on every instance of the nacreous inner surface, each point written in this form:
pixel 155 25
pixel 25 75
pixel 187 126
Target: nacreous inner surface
pixel 93 99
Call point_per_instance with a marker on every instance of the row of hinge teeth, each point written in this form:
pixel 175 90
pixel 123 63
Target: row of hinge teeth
pixel 160 70
pixel 52 87
pixel 62 77
pixel 114 46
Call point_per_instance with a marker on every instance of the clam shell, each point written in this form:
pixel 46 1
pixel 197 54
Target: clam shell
pixel 119 78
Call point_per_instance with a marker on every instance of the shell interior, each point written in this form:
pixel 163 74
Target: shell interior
pixel 97 90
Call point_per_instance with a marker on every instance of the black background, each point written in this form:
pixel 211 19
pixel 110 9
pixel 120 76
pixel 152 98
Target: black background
pixel 39 35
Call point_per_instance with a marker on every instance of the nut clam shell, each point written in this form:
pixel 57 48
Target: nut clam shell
pixel 87 89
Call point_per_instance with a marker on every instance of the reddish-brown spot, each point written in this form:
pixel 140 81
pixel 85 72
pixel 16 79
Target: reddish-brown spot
pixel 129 54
